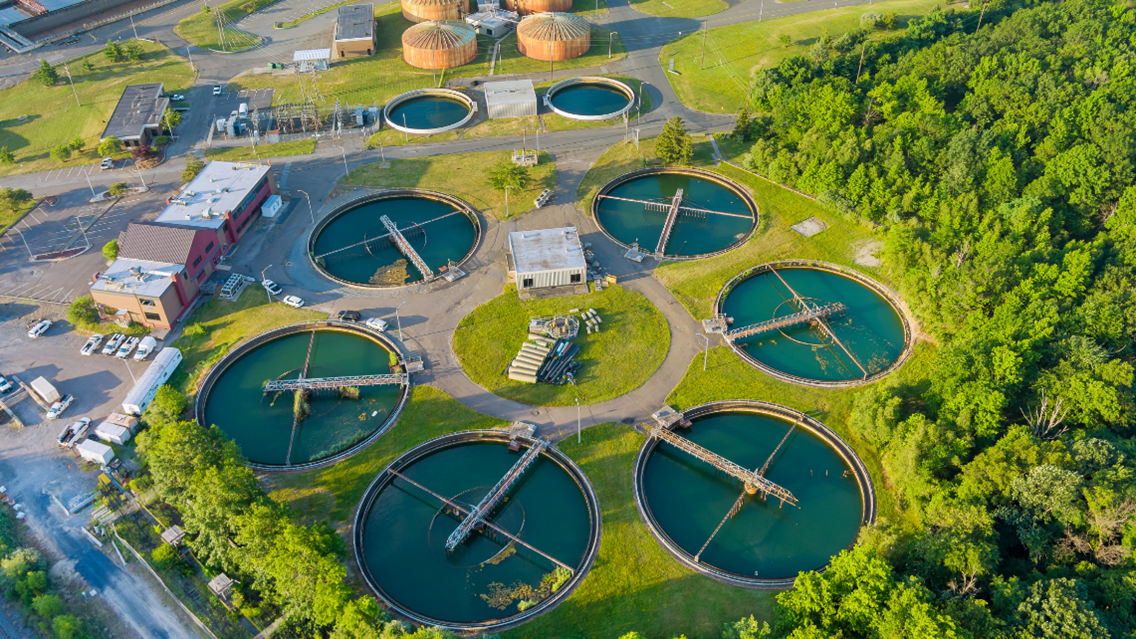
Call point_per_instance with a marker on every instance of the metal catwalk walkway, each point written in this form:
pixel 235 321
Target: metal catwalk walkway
pixel 383 237
pixel 805 305
pixel 808 316
pixel 494 497
pixel 668 226
pixel 318 383
pixel 752 480
pixel 406 248
pixel 665 207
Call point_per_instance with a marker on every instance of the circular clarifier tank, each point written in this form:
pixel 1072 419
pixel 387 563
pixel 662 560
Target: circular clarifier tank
pixel 865 337
pixel 487 581
pixel 429 111
pixel 355 246
pixel 707 520
pixel 590 98
pixel 714 214
pixel 334 423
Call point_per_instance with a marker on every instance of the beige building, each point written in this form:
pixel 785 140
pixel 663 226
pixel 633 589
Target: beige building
pixel 354 32
pixel 151 293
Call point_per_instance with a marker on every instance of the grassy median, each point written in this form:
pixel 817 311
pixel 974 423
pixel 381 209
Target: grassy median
pixel 280 149
pixel 632 343
pixel 679 8
pixel 201 28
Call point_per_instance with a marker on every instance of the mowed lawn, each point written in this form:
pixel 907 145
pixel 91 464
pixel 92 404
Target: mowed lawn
pixel 52 118
pixel 733 53
pixel 632 342
pixel 201 28
pixel 679 8
pixel 280 149
pixel 464 175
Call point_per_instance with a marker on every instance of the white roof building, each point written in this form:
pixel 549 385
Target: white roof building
pixel 513 99
pixel 547 258
pixel 93 451
pixel 219 188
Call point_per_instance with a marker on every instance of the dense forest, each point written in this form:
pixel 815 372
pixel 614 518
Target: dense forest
pixel 997 163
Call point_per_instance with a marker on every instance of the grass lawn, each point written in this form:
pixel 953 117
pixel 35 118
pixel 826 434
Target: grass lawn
pixel 224 324
pixel 237 153
pixel 8 218
pixel 589 7
pixel 334 492
pixel 679 8
pixel 52 117
pixel 633 343
pixel 635 585
pixel 201 28
pixel 733 53
pixel 463 175
pixel 512 61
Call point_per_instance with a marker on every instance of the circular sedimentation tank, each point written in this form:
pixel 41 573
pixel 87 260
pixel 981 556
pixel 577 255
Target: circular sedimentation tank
pixel 529 7
pixel 761 543
pixel 444 44
pixel 353 246
pixel 554 36
pixel 402 524
pixel 716 215
pixel 429 111
pixel 865 339
pixel 590 98
pixel 334 424
pixel 431 10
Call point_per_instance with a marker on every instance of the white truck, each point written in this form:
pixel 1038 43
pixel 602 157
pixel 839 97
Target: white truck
pixel 164 364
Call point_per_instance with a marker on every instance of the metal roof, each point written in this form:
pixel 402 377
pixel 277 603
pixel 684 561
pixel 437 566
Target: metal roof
pixel 554 27
pixel 512 92
pixel 547 250
pixel 355 22
pixel 139 107
pixel 311 54
pixel 137 277
pixel 156 242
pixel 220 187
pixel 440 36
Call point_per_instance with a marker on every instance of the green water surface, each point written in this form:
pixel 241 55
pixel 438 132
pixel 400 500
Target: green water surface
pixel 404 535
pixel 871 329
pixel 589 99
pixel 436 241
pixel 428 112
pixel 689 498
pixel 629 222
pixel 261 424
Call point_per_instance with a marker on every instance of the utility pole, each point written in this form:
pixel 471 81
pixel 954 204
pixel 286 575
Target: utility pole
pixel 68 72
pixel 980 14
pixel 761 10
pixel 134 27
pixel 702 66
pixel 861 67
pixel 507 187
pixel 609 38
pixel 577 420
pixel 190 56
pixel 262 283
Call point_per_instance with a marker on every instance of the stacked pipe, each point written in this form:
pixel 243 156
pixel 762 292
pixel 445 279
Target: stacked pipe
pixel 561 362
pixel 592 320
pixel 529 359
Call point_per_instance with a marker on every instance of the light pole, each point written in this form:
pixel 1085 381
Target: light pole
pixel 345 173
pixel 268 292
pixel 609 37
pixel 577 420
pixel 124 361
pixel 398 320
pixel 143 180
pixel 705 350
pixel 25 241
pixel 507 187
pixel 639 107
pixel 88 176
pixel 310 212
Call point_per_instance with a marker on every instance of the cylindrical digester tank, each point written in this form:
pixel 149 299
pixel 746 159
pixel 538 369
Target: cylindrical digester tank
pixel 529 7
pixel 431 10
pixel 439 45
pixel 554 36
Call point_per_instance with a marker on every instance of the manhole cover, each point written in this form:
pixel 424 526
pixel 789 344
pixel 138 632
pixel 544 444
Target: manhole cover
pixel 384 165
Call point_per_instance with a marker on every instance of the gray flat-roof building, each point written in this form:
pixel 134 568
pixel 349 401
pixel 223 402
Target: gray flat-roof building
pixel 137 119
pixel 513 99
pixel 354 35
pixel 546 258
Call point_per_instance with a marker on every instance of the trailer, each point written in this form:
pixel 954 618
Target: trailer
pixel 112 433
pixel 164 365
pixel 45 390
pixel 95 452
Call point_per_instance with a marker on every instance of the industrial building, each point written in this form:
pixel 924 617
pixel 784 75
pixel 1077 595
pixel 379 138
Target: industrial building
pixel 225 196
pixel 354 32
pixel 512 99
pixel 495 24
pixel 554 36
pixel 150 293
pixel 311 60
pixel 547 258
pixel 439 45
pixel 198 249
pixel 137 119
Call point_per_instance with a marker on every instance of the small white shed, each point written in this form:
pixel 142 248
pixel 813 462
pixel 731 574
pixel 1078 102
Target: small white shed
pixel 112 433
pixel 93 451
pixel 547 258
pixel 512 99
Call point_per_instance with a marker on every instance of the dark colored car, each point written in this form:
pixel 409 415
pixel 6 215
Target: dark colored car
pixel 350 316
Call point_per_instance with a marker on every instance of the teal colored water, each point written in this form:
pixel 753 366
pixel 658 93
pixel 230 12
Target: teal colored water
pixel 871 330
pixel 689 497
pixel 261 424
pixel 436 241
pixel 589 99
pixel 428 112
pixel 404 535
pixel 629 222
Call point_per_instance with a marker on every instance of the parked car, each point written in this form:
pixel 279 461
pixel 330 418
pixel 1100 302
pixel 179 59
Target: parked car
pixel 72 433
pixel 39 329
pixel 92 344
pixel 377 324
pixel 112 343
pixel 177 97
pixel 5 385
pixel 350 316
pixel 107 163
pixel 272 287
pixel 58 407
pixel 217 90
pixel 146 347
pixel 293 301
pixel 127 346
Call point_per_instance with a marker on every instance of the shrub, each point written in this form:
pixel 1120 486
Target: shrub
pixel 785 40
pixel 82 312
pixel 6 156
pixel 61 152
pixel 47 606
pixel 77 143
pixel 110 250
pixel 164 557
pixel 65 627
pixel 161 140
pixel 110 146
pixel 118 189
pixel 193 166
pixel 13 200
pixel 506 174
pixel 872 20
pixel 45 74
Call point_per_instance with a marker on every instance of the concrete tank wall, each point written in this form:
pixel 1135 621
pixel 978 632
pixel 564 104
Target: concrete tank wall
pixel 431 10
pixel 529 7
